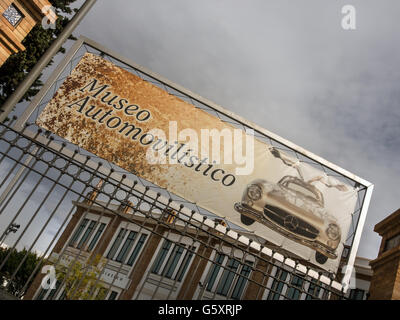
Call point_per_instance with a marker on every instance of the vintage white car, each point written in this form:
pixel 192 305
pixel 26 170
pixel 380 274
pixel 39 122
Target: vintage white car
pixel 295 209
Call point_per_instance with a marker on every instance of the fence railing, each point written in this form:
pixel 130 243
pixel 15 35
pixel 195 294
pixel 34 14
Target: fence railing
pixel 73 228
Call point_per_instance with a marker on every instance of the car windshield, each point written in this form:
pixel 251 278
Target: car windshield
pixel 302 190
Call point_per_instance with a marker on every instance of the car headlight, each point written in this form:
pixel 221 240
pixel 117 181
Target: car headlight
pixel 333 231
pixel 254 192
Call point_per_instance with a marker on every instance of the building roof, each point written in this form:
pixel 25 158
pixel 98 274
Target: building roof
pixel 390 222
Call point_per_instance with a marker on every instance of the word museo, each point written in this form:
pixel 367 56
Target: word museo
pixel 193 153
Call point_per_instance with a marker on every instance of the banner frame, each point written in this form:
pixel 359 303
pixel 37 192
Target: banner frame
pixel 82 41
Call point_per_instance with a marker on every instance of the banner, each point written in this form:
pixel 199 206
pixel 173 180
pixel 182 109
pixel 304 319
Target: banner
pixel 158 136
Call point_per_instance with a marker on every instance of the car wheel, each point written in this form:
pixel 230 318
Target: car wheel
pixel 246 220
pixel 320 258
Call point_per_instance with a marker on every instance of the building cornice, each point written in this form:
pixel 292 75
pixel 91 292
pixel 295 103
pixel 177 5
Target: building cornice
pixel 386 257
pixel 389 223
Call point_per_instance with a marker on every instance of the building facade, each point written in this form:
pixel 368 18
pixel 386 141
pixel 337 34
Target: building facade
pixel 17 19
pixel 361 281
pixel 146 259
pixel 163 264
pixel 385 282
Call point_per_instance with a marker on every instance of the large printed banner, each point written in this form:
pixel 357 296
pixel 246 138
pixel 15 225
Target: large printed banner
pixel 144 129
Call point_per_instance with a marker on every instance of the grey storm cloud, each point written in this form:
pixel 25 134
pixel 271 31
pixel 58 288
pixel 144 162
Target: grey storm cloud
pixel 286 65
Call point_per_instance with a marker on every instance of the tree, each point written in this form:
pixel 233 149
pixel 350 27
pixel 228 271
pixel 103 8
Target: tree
pixel 80 279
pixel 14 70
pixel 16 285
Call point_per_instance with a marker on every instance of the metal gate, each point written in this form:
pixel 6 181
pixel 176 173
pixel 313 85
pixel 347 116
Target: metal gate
pixel 74 226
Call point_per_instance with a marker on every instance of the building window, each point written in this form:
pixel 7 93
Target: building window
pixel 116 244
pixel 356 294
pixel 127 244
pixel 184 264
pixel 241 282
pixel 13 15
pixel 393 242
pixel 228 277
pixel 277 285
pixel 96 236
pixel 294 291
pixel 78 232
pixel 113 295
pixel 313 290
pixel 48 294
pixel 41 294
pixel 173 260
pixel 345 253
pixel 86 235
pixel 126 247
pixel 215 270
pixel 137 249
pixel 63 295
pixel 83 233
pixel 161 256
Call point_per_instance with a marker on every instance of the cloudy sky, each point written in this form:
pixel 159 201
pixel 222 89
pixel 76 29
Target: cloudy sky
pixel 287 66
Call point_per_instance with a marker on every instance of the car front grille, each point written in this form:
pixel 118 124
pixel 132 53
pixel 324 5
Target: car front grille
pixel 290 222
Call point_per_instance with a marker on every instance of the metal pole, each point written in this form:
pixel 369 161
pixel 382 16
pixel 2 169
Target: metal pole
pixel 15 179
pixel 3 238
pixel 17 95
pixel 12 228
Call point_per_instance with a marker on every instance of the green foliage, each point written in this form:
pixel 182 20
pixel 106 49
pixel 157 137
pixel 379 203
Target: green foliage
pixel 16 285
pixel 80 279
pixel 14 70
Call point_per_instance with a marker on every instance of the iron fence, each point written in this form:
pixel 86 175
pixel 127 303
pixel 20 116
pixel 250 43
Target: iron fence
pixel 49 190
pixel 74 226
